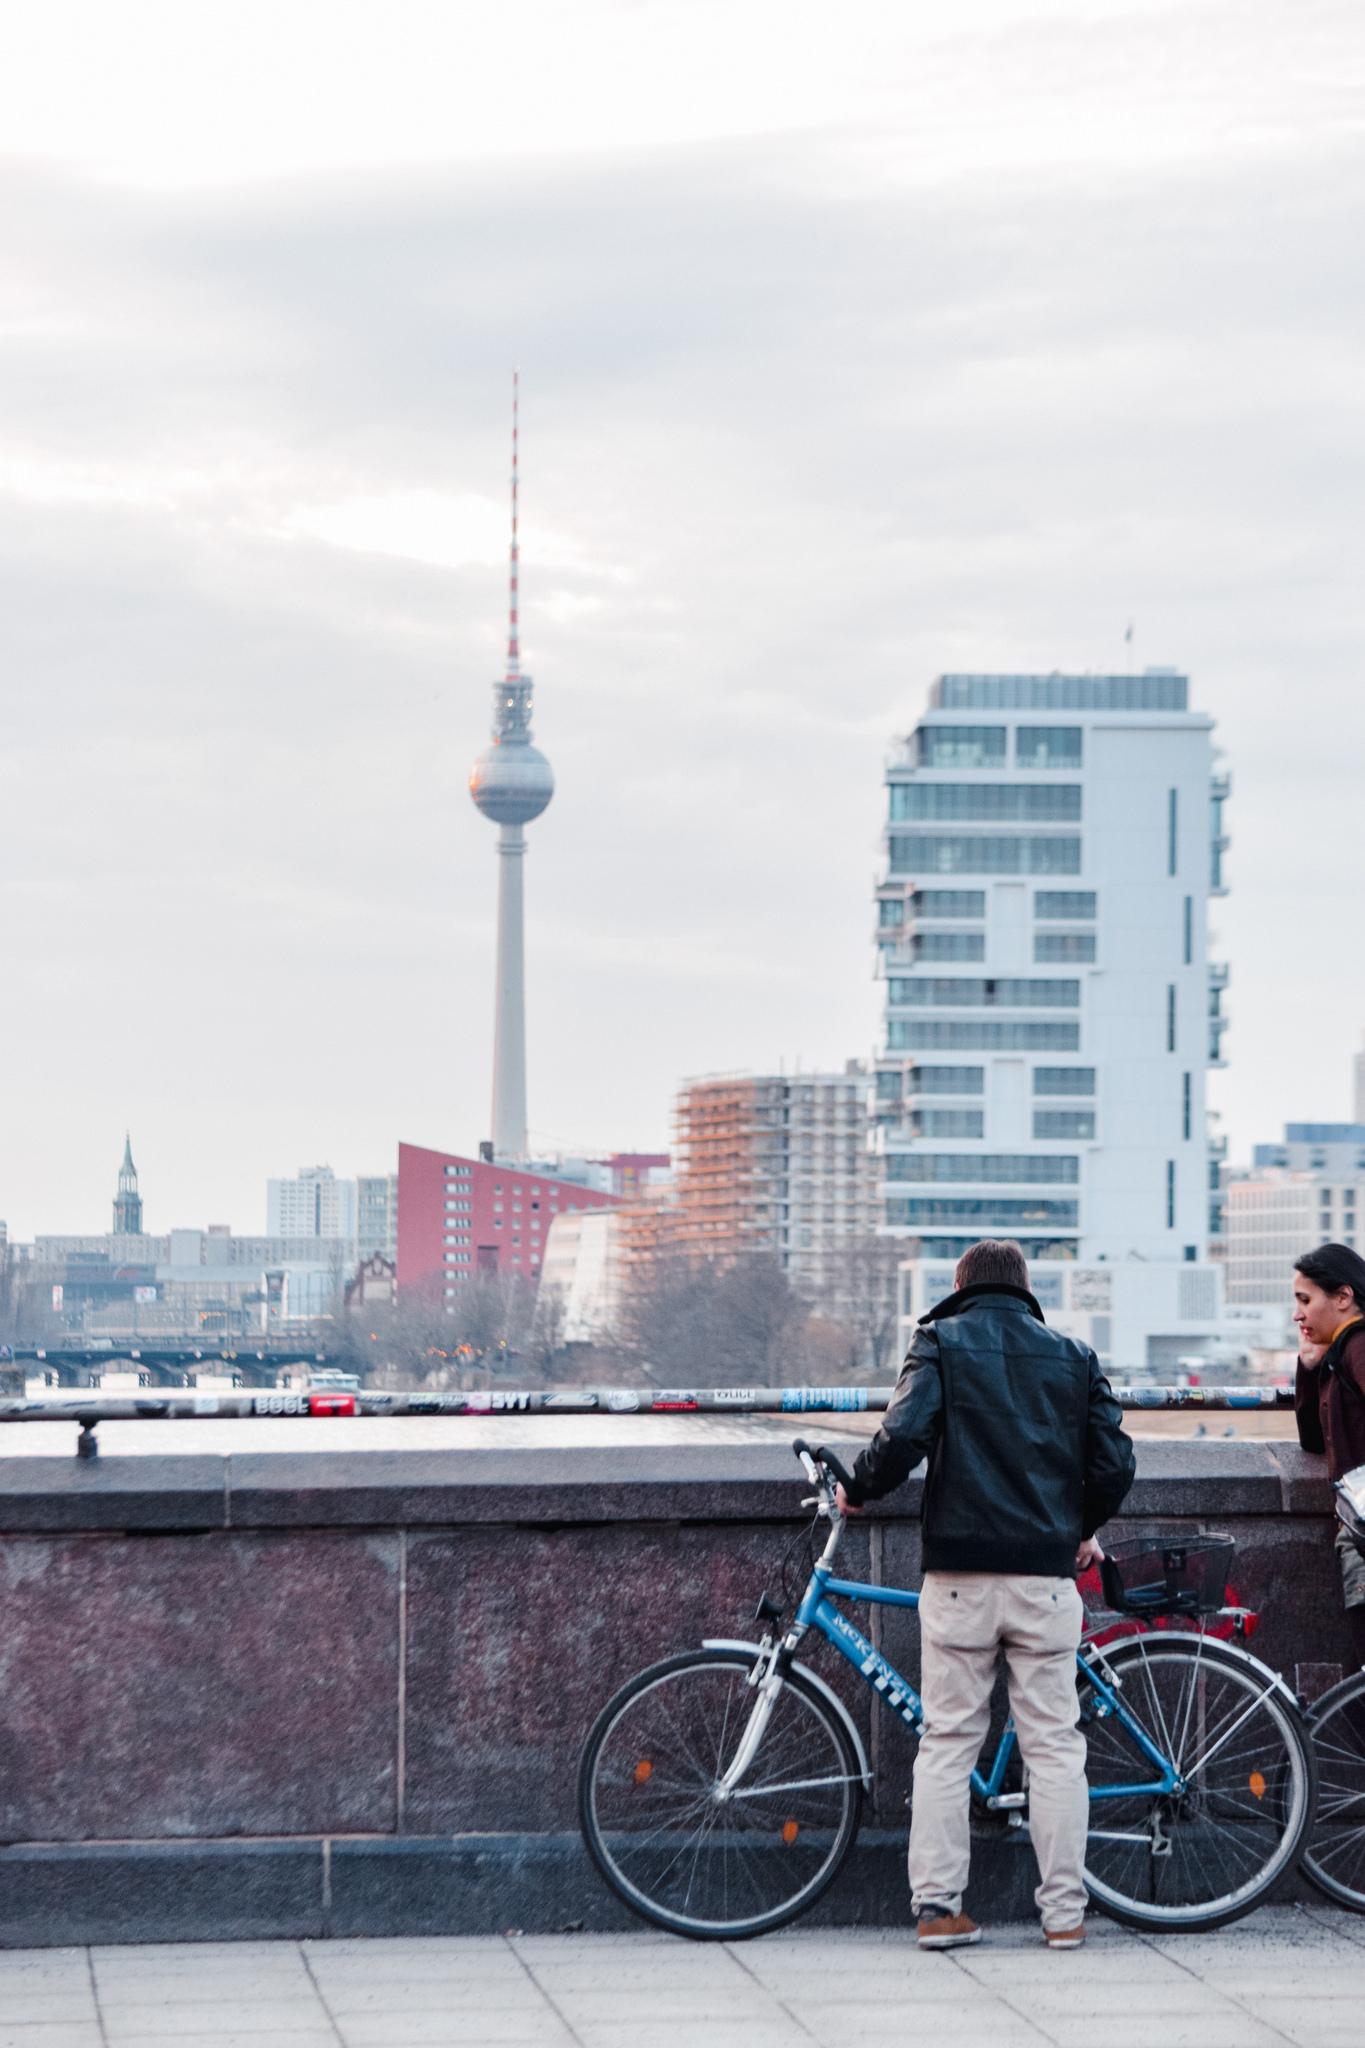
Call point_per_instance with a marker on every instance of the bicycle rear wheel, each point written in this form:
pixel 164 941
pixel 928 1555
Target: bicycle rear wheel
pixel 1335 1856
pixel 672 1843
pixel 1204 1856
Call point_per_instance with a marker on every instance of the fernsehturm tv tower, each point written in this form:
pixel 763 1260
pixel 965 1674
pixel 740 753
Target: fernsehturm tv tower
pixel 511 782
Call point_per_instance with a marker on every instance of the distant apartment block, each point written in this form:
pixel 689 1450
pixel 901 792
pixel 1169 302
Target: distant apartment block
pixel 459 1216
pixel 183 1283
pixel 1276 1213
pixel 313 1204
pixel 1333 1149
pixel 377 1215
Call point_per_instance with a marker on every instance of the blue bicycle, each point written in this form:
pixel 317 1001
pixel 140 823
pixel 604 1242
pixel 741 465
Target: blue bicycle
pixel 721 1790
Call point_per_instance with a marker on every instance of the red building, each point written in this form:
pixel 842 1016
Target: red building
pixel 458 1217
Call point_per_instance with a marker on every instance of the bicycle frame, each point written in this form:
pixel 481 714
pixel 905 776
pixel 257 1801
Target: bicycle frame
pixel 817 1611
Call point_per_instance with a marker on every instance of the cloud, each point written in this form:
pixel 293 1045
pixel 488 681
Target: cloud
pixel 809 414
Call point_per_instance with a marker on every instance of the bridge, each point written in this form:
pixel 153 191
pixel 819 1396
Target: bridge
pixel 162 1365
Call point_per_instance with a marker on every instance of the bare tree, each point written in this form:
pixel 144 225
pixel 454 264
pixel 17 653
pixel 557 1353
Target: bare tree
pixel 703 1324
pixel 866 1303
pixel 485 1333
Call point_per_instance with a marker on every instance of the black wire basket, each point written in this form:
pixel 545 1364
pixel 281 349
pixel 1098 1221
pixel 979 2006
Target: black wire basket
pixel 1167 1575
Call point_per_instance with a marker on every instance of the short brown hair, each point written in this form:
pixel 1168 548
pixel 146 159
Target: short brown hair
pixel 995 1260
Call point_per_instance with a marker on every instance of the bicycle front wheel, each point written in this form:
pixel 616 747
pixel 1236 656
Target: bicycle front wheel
pixel 1208 1854
pixel 681 1848
pixel 1335 1856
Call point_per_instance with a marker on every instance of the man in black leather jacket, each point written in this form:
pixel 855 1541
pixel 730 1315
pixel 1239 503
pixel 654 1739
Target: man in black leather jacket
pixel 1027 1458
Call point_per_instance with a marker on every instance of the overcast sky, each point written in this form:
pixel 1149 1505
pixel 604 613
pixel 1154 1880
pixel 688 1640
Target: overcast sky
pixel 857 344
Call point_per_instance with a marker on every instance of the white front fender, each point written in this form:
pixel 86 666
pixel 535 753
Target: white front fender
pixel 818 1684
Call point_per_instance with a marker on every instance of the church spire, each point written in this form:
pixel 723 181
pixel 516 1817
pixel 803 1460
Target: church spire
pixel 127 1202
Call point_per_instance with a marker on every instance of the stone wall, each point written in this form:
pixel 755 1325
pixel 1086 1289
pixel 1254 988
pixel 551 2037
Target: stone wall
pixel 346 1694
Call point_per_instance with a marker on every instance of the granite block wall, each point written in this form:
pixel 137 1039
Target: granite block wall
pixel 348 1692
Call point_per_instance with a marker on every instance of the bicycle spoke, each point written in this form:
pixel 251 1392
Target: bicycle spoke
pixel 1203 1853
pixel 1335 1858
pixel 665 1832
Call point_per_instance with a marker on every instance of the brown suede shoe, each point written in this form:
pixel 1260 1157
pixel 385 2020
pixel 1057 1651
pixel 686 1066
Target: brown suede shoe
pixel 938 1929
pixel 1064 1937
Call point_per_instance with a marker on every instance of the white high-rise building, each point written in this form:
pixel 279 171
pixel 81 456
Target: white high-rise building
pixel 314 1204
pixel 1051 1011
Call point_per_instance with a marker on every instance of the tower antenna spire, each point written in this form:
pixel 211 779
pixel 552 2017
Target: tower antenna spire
pixel 511 783
pixel 513 605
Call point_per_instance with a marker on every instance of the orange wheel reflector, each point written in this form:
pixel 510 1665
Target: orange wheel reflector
pixel 1257 1784
pixel 790 1831
pixel 644 1771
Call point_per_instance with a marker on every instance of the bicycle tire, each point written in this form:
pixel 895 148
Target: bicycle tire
pixel 1334 1859
pixel 646 1798
pixel 1240 1827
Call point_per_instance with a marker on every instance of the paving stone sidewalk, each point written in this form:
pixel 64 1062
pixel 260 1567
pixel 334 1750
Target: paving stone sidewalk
pixel 1287 1975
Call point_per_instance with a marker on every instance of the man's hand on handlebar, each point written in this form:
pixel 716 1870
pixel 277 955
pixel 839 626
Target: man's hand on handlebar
pixel 843 1503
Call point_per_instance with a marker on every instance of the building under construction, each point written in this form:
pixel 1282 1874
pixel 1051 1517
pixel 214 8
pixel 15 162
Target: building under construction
pixel 777 1164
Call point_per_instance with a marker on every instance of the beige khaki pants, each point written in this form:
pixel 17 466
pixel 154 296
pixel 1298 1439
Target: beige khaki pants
pixel 965 1618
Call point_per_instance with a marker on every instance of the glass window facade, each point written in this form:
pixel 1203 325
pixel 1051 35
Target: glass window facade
pixel 948 903
pixel 946 1081
pixel 1031 1168
pixel 1063 1080
pixel 1048 746
pixel 949 945
pixel 1050 948
pixel 1063 1123
pixel 980 1212
pixel 974 992
pixel 1066 906
pixel 1162 691
pixel 960 746
pixel 1032 1248
pixel 890 914
pixel 969 853
pixel 947 1123
pixel 988 802
pixel 980 1034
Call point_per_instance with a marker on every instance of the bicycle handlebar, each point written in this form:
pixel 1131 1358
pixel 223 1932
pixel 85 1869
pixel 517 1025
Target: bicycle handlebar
pixel 818 1455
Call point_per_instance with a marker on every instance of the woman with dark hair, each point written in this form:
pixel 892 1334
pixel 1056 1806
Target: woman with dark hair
pixel 1329 1387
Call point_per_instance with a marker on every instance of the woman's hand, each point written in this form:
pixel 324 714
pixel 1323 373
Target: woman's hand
pixel 1311 1354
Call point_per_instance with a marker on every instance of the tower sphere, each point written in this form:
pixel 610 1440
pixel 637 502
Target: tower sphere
pixel 511 782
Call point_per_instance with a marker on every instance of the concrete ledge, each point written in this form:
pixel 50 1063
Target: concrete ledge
pixel 107 1894
pixel 44 1495
pixel 561 1488
pixel 73 1894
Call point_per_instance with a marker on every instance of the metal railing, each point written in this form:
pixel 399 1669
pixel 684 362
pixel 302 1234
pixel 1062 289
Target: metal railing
pixel 188 1405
